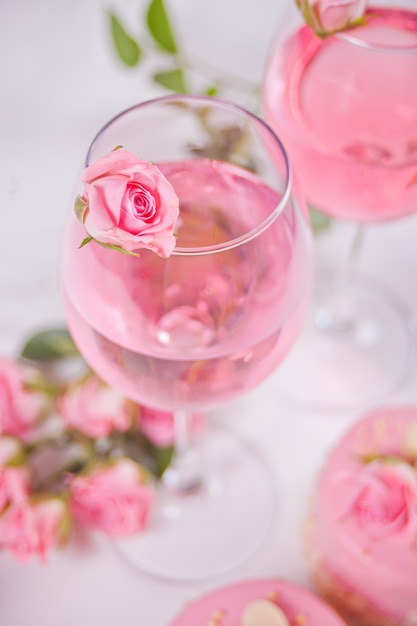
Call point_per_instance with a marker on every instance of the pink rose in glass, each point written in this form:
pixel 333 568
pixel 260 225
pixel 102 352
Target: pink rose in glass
pixel 20 406
pixel 112 498
pixel 32 528
pixel 94 408
pixel 127 203
pixel 387 499
pixel 158 426
pixel 330 16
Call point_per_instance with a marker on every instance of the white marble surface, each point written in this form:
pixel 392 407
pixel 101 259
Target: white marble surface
pixel 60 82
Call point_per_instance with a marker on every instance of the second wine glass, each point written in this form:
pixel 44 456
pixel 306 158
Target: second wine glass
pixel 345 107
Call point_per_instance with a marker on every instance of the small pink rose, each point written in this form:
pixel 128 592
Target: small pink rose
pixel 32 528
pixel 330 16
pixel 128 203
pixel 20 406
pixel 387 499
pixel 112 498
pixel 158 426
pixel 94 408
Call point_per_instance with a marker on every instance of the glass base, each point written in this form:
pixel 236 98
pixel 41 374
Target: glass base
pixel 352 353
pixel 205 533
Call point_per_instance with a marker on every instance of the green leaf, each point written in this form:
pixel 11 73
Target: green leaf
pixel 127 48
pixel 80 208
pixel 172 80
pixel 160 27
pixel 211 91
pixel 319 221
pixel 85 242
pixel 139 447
pixel 111 246
pixel 50 344
pixel 162 458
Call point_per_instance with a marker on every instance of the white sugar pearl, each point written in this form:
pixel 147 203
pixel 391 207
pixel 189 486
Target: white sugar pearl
pixel 263 613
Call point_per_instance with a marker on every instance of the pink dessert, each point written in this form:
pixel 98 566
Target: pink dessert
pixel 362 532
pixel 227 606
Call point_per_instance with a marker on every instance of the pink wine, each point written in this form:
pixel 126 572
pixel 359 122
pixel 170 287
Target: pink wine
pixel 347 114
pixel 194 330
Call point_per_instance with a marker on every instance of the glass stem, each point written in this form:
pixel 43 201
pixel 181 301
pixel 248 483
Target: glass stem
pixel 337 312
pixel 185 474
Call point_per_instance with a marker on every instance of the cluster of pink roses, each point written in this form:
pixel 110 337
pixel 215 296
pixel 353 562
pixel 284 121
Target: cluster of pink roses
pixel 98 482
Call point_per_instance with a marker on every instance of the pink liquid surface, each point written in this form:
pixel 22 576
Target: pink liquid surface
pixel 347 116
pixel 193 331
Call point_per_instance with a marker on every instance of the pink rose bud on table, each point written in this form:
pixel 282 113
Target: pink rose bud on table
pixel 32 528
pixel 329 16
pixel 95 409
pixel 128 204
pixel 21 404
pixel 112 498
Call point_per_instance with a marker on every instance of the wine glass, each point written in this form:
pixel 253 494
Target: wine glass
pixel 345 107
pixel 193 331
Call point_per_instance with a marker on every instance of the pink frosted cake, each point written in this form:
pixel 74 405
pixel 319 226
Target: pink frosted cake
pixel 259 603
pixel 362 532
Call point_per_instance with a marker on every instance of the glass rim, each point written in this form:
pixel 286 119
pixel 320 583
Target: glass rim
pixel 373 47
pixel 350 38
pixel 287 179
